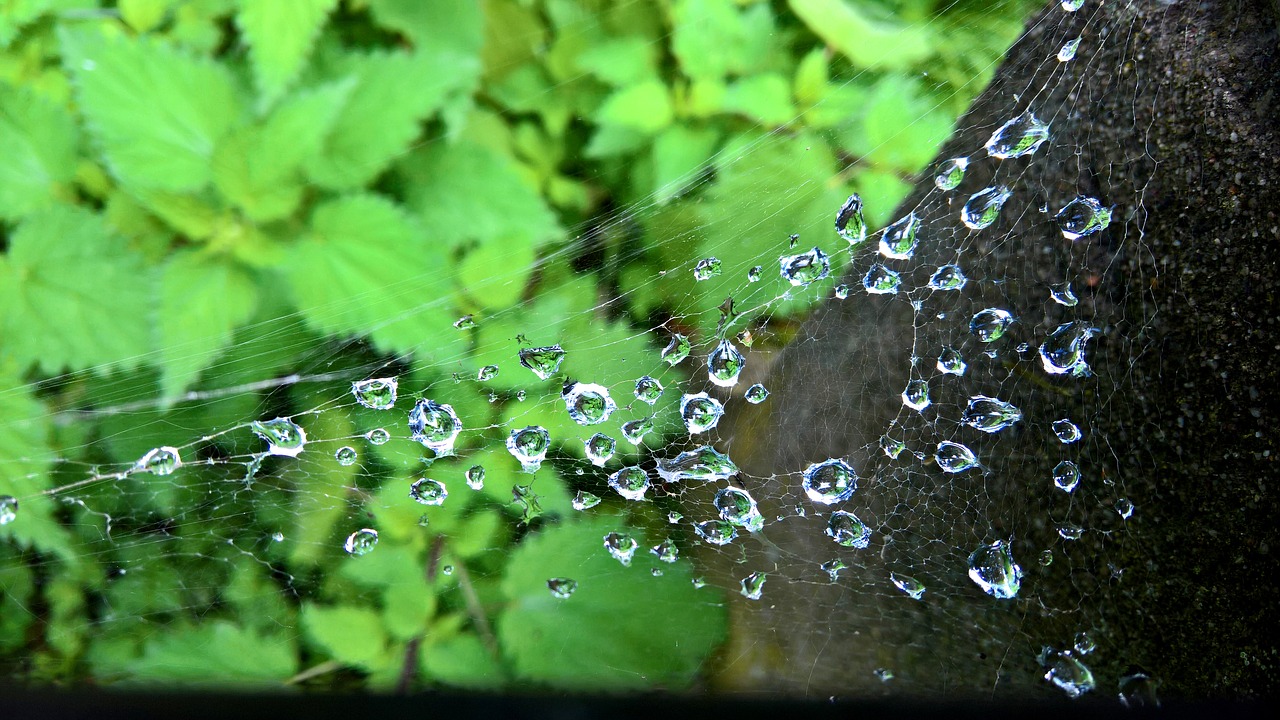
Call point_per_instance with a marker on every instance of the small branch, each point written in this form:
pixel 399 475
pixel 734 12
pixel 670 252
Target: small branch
pixel 323 668
pixel 475 609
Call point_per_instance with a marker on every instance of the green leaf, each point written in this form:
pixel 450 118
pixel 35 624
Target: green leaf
pixel 679 154
pixel 867 42
pixel 766 98
pixel 366 267
pixel 350 635
pixel 143 15
pixel 17 14
pixel 462 661
pixel 903 126
pixel 157 112
pixel 620 628
pixel 40 143
pixel 202 300
pixel 73 295
pixel 707 37
pixel 644 107
pixel 454 26
pixel 215 653
pixel 496 273
pixel 621 62
pixel 280 34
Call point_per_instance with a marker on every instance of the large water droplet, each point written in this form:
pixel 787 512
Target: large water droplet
pixel 1072 5
pixel 1082 216
pixel 676 350
pixel 700 412
pixel 648 390
pixel 1066 475
pixel 832 568
pixel 361 542
pixel 584 500
pixel 1067 531
pixel 161 461
pixel 880 280
pixel 630 482
pixel 993 569
pixel 284 437
pixel 561 588
pixel 990 414
pixel 950 173
pixel 850 224
pixel 1066 672
pixel 953 457
pixel 847 530
pixel 346 455
pixel 753 275
pixel 475 477
pixel 990 324
pixel 621 546
pixel 1063 351
pixel 892 448
pixel 378 436
pixel 898 242
pixel 830 481
pixel 376 393
pixel 666 551
pixel 737 507
pixel 1066 431
pixel 487 373
pixel 466 322
pixel 529 446
pixel 1020 136
pixel 599 448
pixel 435 425
pixel 842 291
pixel 907 584
pixel 805 268
pixel 1068 50
pixel 916 395
pixel 948 277
pixel 1124 508
pixel 716 532
pixel 983 207
pixel 1063 295
pixel 1084 644
pixel 703 463
pixel 753 585
pixel 706 269
pixel 635 430
pixel 756 394
pixel 8 509
pixel 428 492
pixel 543 361
pixel 724 364
pixel 951 362
pixel 588 403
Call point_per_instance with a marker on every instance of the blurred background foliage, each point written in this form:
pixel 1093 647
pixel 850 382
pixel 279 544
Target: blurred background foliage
pixel 198 195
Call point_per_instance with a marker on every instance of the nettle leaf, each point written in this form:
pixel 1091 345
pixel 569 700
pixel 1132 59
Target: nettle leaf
pixel 867 42
pixel 156 112
pixel 604 636
pixel 678 154
pixel 214 654
pixel 456 26
pixel 366 267
pixel 280 34
pixel 644 107
pixel 620 62
pixel 202 300
pixel 351 635
pixel 40 142
pixel 765 97
pixel 73 295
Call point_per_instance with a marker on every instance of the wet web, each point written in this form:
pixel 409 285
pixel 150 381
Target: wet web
pixel 282 463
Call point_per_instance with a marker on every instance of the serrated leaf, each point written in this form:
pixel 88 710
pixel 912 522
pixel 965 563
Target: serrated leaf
pixel 40 143
pixel 143 15
pixel 903 126
pixel 156 112
pixel 867 42
pixel 678 154
pixel 350 635
pixel 366 267
pixel 644 107
pixel 202 300
pixel 765 97
pixel 621 628
pixel 280 34
pixel 462 661
pixel 215 653
pixel 496 273
pixel 455 26
pixel 620 62
pixel 73 295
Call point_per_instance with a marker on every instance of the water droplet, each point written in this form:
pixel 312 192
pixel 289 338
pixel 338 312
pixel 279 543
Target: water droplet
pixel 666 551
pixel 990 324
pixel 674 517
pixel 1082 216
pixel 1066 475
pixel 805 268
pixel 361 542
pixel 753 275
pixel 1124 507
pixel 892 448
pixel 599 448
pixel 880 280
pixel 700 412
pixel 1072 5
pixel 435 425
pixel 346 455
pixel 1063 351
pixel 277 536
pixel 428 492
pixel 993 569
pixel 543 361
pixel 951 362
pixel 830 481
pixel 584 500
pixel 588 403
pixel 648 390
pixel 378 436
pixel 753 585
pixel 376 393
pixel 656 572
pixel 983 207
pixel 487 373
pixel 916 395
pixel 1046 558
pixel 737 507
pixel 1066 672
pixel 724 364
pixel 1020 136
pixel 676 350
pixel 745 338
pixel 621 546
pixel 1068 50
pixel 948 277
pixel 883 674
pixel 561 588
pixel 520 395
pixel 1063 295
pixel 699 582
pixel 1067 531
pixel 950 173
pixel 842 291
pixel 284 437
pixel 907 584
pixel 850 224
pixel 716 532
pixel 475 477
pixel 703 463
pixel 635 430
pixel 847 530
pixel 1138 690
pixel 466 322
pixel 529 446
pixel 1066 431
pixel 793 240
pixel 706 269
pixel 899 239
pixel 953 457
pixel 160 461
pixel 1084 644
pixel 832 568
pixel 8 509
pixel 447 570
pixel 756 394
pixel 990 414
pixel 630 482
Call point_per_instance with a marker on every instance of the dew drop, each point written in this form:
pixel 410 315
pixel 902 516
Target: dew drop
pixel 428 492
pixel 993 569
pixel 907 584
pixel 706 269
pixel 842 291
pixel 699 582
pixel 1063 351
pixel 361 542
pixel 830 481
pixel 990 415
pixel 892 448
pixel 1068 531
pixel 805 268
pixel 160 461
pixel 948 277
pixel 1084 644
pixel 753 275
pixel 1082 216
pixel 346 455
pixel 753 585
pixel 676 350
pixel 561 588
pixel 990 324
pixel 950 173
pixel 1066 431
pixel 1068 51
pixel 953 457
pixel 1066 475
pixel 850 224
pixel 983 207
pixel 674 517
pixel 648 390
pixel 435 425
pixel 1020 136
pixel 745 337
pixel 635 430
pixel 584 500
pixel 880 280
pixel 475 477
pixel 898 242
pixel 916 395
pixel 724 364
pixel 704 463
pixel 756 394
pixel 630 482
pixel 378 436
pixel 832 568
pixel 376 393
pixel 700 412
pixel 487 373
pixel 588 403
pixel 1046 558
pixel 847 530
pixel 621 546
pixel 666 551
pixel 1063 295
pixel 716 532
pixel 284 437
pixel 1066 672
pixel 884 675
pixel 1138 690
pixel 8 509
pixel 543 361
pixel 951 362
pixel 737 507
pixel 793 240
pixel 599 448
pixel 529 446
pixel 1124 508
pixel 466 322
pixel 1072 5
